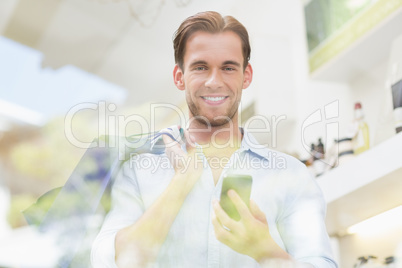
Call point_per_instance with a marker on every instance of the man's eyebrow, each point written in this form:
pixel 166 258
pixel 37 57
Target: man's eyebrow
pixel 203 62
pixel 231 62
pixel 198 62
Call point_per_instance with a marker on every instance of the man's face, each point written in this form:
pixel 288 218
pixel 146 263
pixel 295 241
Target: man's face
pixel 213 77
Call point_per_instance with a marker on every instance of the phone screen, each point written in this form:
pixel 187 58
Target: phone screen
pixel 242 185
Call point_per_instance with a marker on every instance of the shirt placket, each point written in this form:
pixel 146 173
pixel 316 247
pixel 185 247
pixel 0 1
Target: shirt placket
pixel 213 254
pixel 214 246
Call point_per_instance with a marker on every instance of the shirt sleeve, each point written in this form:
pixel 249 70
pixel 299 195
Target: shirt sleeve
pixel 302 222
pixel 127 207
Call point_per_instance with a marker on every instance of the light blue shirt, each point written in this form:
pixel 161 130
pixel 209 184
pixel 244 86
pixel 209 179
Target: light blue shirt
pixel 282 188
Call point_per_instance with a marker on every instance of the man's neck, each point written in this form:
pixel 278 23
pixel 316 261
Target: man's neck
pixel 227 137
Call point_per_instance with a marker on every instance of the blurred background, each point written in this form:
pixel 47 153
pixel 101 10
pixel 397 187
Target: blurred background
pixel 73 70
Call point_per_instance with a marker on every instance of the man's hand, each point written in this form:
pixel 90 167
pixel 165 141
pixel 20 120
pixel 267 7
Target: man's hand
pixel 250 235
pixel 175 153
pixel 137 245
pixel 188 167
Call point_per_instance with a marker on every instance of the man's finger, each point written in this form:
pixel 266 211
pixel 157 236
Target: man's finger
pixel 223 217
pixel 256 211
pixel 222 234
pixel 169 142
pixel 239 204
pixel 174 152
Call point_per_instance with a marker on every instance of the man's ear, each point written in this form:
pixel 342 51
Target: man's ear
pixel 178 77
pixel 248 76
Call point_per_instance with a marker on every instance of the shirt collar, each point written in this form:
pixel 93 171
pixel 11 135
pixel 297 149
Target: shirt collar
pixel 250 143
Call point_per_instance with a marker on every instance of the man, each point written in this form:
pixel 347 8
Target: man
pixel 170 217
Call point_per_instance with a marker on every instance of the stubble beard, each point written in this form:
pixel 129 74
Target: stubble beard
pixel 217 121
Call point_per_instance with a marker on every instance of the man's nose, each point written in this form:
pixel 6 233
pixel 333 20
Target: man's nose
pixel 214 80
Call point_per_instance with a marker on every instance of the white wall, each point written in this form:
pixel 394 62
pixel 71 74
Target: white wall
pixel 274 35
pixel 372 90
pixel 281 84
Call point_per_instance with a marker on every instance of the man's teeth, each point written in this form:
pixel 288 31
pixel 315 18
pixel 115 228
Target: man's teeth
pixel 214 98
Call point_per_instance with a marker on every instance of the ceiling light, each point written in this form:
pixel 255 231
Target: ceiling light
pixel 381 222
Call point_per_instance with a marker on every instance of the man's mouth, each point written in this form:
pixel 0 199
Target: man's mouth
pixel 214 99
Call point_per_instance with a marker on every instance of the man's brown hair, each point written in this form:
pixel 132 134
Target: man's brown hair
pixel 210 22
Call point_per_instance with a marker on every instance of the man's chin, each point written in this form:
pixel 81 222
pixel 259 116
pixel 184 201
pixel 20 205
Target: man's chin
pixel 215 122
pixel 219 119
pixel 221 123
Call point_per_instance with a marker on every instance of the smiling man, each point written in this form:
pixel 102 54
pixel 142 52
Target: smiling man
pixel 171 217
pixel 213 77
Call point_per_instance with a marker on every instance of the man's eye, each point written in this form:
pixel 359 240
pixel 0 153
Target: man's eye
pixel 199 68
pixel 229 69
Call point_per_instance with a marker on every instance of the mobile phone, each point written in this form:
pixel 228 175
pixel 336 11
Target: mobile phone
pixel 242 185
